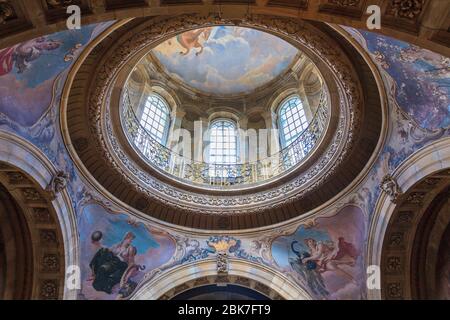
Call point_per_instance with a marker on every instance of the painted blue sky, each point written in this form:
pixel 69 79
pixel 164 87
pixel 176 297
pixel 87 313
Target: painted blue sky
pixel 114 227
pixel 234 59
pixel 51 63
pixel 281 248
pixel 31 90
pixel 422 77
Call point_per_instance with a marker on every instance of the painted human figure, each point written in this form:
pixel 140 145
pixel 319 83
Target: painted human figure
pixel 330 257
pixel 191 39
pixel 127 253
pixel 23 54
pixel 124 250
pixel 115 265
pixel 308 270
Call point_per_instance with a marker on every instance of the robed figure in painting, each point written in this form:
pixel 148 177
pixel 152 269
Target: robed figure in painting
pixel 114 266
pixel 22 55
pixel 308 270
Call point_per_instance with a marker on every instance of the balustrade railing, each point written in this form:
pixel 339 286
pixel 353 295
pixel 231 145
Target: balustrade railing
pixel 223 175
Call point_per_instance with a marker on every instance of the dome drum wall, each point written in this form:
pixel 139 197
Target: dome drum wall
pixel 333 109
pixel 307 187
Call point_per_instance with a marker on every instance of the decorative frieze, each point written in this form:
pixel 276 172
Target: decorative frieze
pixel 180 288
pixel 243 281
pixel 394 290
pixel 262 288
pixel 408 9
pixel 393 264
pixel 222 279
pixel 48 237
pixel 17 178
pixel 396 239
pixel 351 8
pixel 405 217
pixel 6 11
pixel 298 4
pixel 31 194
pixel 42 216
pixel 50 263
pixel 201 281
pixel 58 4
pixel 401 235
pixel 416 198
pixel 49 289
pixel 345 3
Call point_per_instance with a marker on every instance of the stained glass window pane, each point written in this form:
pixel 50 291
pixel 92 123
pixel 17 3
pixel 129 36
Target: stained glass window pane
pixel 292 120
pixel 156 119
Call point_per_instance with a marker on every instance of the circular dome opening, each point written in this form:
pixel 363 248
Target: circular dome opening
pixel 225 107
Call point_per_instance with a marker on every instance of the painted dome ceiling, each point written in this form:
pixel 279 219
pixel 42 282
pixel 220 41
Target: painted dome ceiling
pixel 225 60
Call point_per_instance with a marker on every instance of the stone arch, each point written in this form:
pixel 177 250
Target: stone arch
pixel 395 227
pixel 26 174
pixel 265 280
pixel 16 254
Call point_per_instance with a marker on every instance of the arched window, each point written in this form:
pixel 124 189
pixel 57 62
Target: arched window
pixel 291 120
pixel 223 147
pixel 156 118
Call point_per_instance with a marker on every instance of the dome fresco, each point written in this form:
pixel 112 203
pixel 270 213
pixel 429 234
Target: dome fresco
pixel 225 60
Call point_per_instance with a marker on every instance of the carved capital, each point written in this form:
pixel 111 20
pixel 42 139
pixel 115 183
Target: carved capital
pixel 390 186
pixel 58 184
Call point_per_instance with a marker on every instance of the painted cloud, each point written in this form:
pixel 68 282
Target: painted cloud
pixel 225 60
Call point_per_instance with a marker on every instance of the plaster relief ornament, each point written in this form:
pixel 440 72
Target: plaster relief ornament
pixel 222 245
pixel 408 9
pixel 222 263
pixel 58 184
pixel 391 187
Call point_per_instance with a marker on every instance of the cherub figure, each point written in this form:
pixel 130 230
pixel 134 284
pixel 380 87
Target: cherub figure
pixel 24 53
